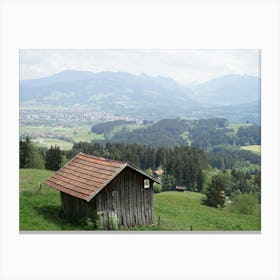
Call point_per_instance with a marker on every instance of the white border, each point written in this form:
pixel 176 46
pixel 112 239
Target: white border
pixel 156 24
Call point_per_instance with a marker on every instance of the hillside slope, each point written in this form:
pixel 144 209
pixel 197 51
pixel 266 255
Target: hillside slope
pixel 41 210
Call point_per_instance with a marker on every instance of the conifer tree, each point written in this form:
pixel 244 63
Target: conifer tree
pixel 215 196
pixel 53 158
pixel 29 155
pixel 200 180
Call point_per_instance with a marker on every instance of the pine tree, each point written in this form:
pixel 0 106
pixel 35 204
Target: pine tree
pixel 215 196
pixel 53 158
pixel 25 152
pixel 29 155
pixel 200 180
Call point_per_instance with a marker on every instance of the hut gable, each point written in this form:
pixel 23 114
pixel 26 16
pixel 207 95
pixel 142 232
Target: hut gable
pixel 90 184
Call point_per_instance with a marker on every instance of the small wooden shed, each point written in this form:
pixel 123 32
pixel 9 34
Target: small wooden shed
pixel 89 185
pixel 180 188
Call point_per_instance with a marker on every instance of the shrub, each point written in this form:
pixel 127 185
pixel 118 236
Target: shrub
pixel 87 223
pixel 246 203
pixel 157 188
pixel 113 222
pixel 98 222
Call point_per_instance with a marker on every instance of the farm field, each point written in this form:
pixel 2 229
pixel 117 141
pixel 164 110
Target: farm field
pixel 48 142
pixel 45 136
pixel 64 137
pixel 40 210
pixel 253 148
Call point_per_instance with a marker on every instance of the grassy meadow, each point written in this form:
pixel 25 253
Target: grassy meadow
pixel 236 126
pixel 47 136
pixel 40 210
pixel 253 148
pixel 183 210
pixel 48 142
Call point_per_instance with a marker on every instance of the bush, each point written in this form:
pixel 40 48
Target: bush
pixel 87 223
pixel 246 204
pixel 157 188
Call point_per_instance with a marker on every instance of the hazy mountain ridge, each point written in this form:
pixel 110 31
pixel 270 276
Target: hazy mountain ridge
pixel 143 96
pixel 229 90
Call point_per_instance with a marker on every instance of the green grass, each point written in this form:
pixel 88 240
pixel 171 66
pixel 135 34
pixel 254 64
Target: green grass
pixel 236 126
pixel 48 142
pixel 253 148
pixel 179 211
pixel 86 136
pixel 41 210
pixel 47 135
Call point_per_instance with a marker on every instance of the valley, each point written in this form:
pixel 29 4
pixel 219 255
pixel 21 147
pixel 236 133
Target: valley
pixel 195 136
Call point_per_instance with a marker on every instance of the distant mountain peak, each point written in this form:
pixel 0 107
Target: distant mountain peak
pixel 229 89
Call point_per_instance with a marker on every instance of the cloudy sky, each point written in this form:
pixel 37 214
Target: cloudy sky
pixel 185 66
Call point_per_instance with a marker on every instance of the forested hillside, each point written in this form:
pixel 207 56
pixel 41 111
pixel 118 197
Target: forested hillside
pixel 203 133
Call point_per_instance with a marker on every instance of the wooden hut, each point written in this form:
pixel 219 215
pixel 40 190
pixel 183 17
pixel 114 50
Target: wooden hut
pixel 91 185
pixel 180 188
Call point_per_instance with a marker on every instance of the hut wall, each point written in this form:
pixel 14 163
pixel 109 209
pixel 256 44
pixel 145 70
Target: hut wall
pixel 127 199
pixel 77 208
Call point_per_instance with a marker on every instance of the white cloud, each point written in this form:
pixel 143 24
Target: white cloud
pixel 183 65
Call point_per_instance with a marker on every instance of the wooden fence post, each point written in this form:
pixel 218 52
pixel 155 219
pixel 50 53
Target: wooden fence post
pixel 158 221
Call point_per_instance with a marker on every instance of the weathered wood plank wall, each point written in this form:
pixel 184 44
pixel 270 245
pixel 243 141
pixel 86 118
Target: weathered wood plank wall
pixel 127 198
pixel 77 208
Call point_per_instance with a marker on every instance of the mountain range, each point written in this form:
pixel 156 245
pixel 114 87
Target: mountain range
pixel 144 96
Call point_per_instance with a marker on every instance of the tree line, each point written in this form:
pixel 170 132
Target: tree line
pixel 183 165
pixel 31 156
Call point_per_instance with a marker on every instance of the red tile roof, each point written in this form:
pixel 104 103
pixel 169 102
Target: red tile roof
pixel 85 175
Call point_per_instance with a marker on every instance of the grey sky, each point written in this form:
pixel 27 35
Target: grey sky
pixel 185 66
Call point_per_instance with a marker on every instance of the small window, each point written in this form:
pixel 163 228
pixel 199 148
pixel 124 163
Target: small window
pixel 146 183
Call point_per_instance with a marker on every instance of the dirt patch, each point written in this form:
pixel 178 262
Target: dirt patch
pixel 25 178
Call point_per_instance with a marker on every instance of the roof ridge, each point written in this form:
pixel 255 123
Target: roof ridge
pixel 101 158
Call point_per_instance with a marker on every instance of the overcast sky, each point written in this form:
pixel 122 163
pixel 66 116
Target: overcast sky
pixel 185 66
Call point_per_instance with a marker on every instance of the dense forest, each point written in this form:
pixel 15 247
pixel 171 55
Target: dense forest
pixel 183 165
